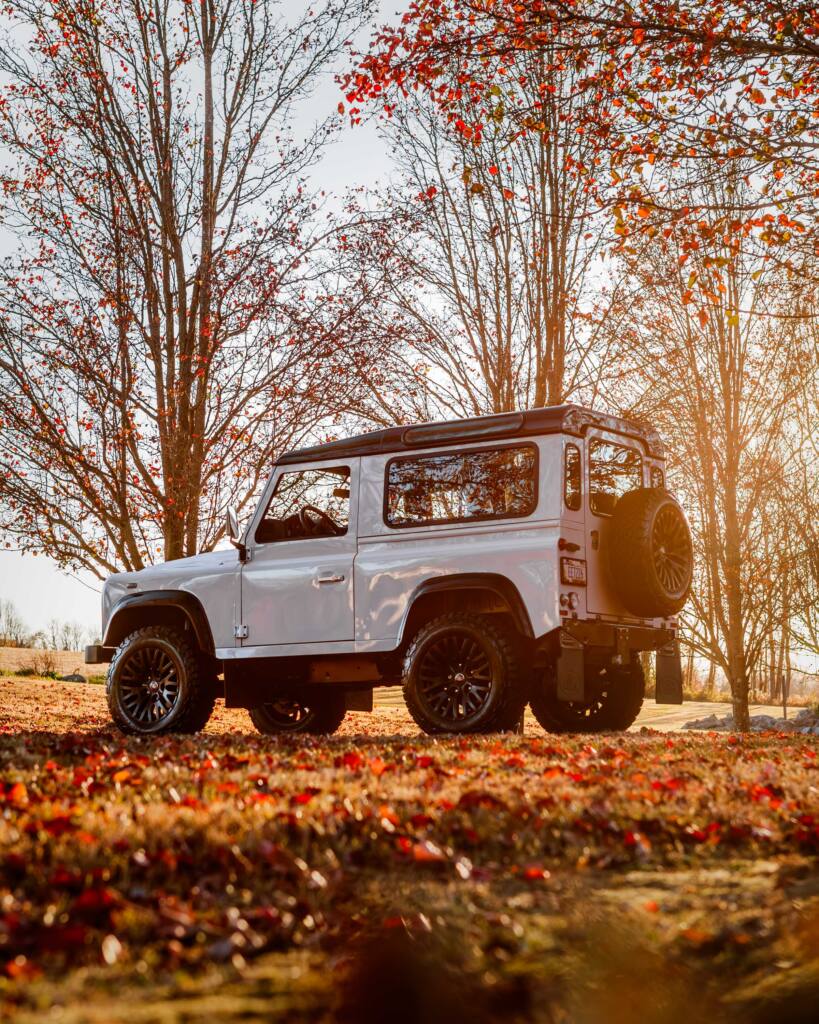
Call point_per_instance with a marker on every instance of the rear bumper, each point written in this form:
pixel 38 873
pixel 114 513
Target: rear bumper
pixel 624 638
pixel 622 641
pixel 96 654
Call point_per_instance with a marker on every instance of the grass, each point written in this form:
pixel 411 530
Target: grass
pixel 382 875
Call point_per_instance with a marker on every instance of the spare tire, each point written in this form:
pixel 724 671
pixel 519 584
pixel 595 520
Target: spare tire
pixel 650 556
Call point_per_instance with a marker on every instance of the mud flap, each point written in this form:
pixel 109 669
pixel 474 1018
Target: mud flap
pixel 668 670
pixel 571 676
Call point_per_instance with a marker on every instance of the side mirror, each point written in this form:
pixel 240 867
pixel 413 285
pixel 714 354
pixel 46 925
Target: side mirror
pixel 234 534
pixel 233 526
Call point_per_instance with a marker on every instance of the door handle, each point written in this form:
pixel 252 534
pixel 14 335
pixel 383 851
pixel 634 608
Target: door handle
pixel 330 579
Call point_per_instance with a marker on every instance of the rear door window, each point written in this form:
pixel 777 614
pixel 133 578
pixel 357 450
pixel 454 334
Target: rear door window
pixel 457 487
pixel 614 469
pixel 572 477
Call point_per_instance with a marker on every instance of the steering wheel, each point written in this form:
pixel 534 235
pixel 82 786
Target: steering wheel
pixel 309 522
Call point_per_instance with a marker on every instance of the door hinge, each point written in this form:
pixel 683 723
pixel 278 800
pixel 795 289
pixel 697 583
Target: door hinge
pixel 240 632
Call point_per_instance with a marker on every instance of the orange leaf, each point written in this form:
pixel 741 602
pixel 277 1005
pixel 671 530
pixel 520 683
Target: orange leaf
pixel 427 852
pixel 17 795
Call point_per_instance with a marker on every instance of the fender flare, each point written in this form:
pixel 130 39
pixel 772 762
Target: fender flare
pixel 190 606
pixel 497 584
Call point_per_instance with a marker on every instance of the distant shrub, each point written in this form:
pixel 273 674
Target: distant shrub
pixel 43 665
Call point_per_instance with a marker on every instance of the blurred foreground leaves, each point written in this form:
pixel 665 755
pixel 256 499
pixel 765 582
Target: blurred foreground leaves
pixel 624 877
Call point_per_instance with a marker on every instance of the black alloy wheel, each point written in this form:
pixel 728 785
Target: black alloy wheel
pixel 671 545
pixel 461 675
pixel 454 676
pixel 149 686
pixel 158 681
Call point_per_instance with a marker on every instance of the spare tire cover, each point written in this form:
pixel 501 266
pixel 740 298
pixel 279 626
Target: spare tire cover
pixel 650 555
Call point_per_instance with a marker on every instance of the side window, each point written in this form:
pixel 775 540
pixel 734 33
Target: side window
pixel 572 477
pixel 307 503
pixel 614 469
pixel 453 487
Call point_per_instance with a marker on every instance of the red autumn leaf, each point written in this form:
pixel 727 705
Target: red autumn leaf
pixel 493 169
pixel 638 36
pixel 534 873
pixel 305 796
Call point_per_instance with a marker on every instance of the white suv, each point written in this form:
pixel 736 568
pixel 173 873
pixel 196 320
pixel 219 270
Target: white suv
pixel 481 563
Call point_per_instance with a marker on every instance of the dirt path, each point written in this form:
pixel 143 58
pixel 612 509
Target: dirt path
pixel 52 705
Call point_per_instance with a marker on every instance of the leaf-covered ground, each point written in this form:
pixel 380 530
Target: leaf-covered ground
pixel 374 877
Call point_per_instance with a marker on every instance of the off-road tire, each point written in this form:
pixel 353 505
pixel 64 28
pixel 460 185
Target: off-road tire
pixel 197 689
pixel 200 709
pixel 323 716
pixel 650 556
pixel 614 709
pixel 503 706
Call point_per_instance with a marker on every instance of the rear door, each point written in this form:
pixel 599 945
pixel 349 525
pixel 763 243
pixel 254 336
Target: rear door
pixel 614 465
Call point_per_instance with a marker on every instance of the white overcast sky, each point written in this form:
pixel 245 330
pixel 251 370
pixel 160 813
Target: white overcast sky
pixel 41 592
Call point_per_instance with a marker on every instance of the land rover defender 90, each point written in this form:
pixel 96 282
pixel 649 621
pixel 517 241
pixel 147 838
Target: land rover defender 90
pixel 481 563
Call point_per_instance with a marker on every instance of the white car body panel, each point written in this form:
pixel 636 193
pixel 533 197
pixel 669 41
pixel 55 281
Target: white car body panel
pixel 393 562
pixel 212 577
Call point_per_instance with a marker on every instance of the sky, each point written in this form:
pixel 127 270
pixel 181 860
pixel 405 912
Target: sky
pixel 40 591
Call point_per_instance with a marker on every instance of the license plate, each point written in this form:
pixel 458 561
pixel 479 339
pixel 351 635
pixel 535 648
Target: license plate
pixel 573 570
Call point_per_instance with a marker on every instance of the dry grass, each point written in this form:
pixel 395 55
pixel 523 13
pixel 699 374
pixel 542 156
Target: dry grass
pixel 381 875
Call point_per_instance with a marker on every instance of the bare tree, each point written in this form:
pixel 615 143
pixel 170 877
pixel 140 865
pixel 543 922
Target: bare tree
pixel 13 630
pixel 167 323
pixel 489 256
pixel 715 347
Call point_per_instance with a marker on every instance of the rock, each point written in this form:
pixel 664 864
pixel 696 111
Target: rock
pixel 807 721
pixel 75 677
pixel 711 722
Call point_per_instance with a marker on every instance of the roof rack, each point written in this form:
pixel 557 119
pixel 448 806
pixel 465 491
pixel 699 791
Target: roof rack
pixel 553 419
